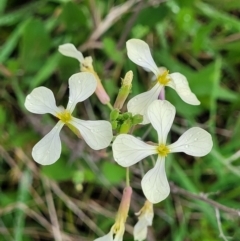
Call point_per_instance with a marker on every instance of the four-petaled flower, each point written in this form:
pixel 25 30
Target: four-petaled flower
pixel 97 134
pixel 128 150
pixel 145 217
pixel 138 51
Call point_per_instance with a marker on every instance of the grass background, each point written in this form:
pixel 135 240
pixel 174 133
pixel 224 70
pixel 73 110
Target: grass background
pixel 77 197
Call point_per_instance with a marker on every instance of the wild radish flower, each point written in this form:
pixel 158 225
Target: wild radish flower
pixel 97 134
pixel 86 66
pixel 117 231
pixel 138 51
pixel 128 150
pixel 145 217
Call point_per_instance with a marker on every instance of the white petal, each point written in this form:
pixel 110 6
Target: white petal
pixel 70 51
pixel 107 237
pixel 180 84
pixel 119 235
pixel 41 101
pixel 161 114
pixel 140 103
pixel 194 142
pixel 138 51
pixel 155 184
pixel 128 150
pixel 48 149
pixel 97 134
pixel 81 86
pixel 140 230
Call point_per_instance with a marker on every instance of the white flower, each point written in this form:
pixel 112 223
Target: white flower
pixel 128 150
pixel 97 134
pixel 145 217
pixel 138 51
pixel 86 66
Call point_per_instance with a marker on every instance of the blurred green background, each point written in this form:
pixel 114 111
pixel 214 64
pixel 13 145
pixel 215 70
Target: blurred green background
pixel 77 197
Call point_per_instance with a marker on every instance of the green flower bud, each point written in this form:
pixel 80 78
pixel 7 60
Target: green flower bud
pixel 114 124
pixel 127 115
pixel 124 91
pixel 126 126
pixel 114 114
pixel 137 119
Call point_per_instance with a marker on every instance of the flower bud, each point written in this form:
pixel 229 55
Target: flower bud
pixel 114 124
pixel 124 90
pixel 137 119
pixel 127 115
pixel 125 127
pixel 114 114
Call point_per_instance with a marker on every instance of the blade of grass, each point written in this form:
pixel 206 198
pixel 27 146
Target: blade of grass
pixel 23 194
pixel 46 71
pixel 12 42
pixel 221 17
pixel 18 15
pixel 2 5
pixel 213 98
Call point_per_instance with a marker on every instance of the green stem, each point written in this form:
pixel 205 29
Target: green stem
pixel 109 106
pixel 127 177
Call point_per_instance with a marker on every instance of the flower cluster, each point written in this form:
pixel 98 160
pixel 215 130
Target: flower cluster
pixel 127 149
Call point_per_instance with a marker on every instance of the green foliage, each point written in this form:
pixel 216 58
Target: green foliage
pixel 34 45
pixel 114 173
pixel 58 171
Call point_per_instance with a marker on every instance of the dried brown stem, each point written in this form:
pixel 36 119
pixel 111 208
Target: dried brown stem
pixel 177 190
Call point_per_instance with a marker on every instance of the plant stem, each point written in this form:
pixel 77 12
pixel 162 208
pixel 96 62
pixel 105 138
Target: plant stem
pixel 109 106
pixel 127 177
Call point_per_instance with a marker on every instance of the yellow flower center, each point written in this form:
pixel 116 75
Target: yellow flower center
pixel 163 79
pixel 65 116
pixel 163 150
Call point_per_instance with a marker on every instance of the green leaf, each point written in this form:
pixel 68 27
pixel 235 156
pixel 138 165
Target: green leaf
pixel 110 48
pixel 3 4
pixel 34 45
pixel 23 196
pixel 72 16
pixel 152 15
pixel 226 94
pixel 139 31
pixel 185 19
pixel 223 18
pixel 20 14
pixel 46 71
pixel 59 171
pixel 113 172
pixel 12 42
